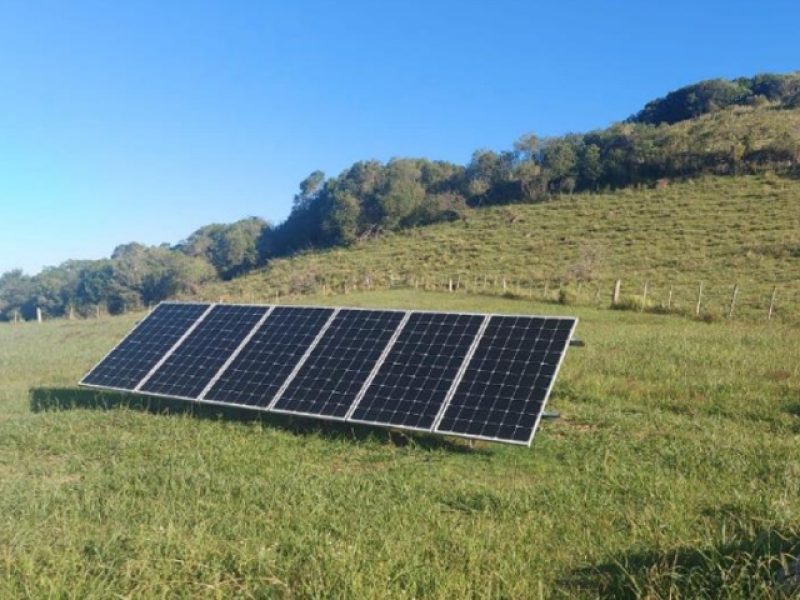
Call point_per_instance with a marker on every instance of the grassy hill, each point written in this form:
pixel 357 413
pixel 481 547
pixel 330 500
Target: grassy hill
pixel 672 473
pixel 720 231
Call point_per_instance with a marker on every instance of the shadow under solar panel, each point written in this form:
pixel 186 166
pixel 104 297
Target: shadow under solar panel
pixel 133 358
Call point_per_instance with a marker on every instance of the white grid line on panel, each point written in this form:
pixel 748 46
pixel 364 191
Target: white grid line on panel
pixel 174 347
pixel 552 382
pixel 335 370
pixel 414 378
pixel 302 360
pixel 494 407
pixel 378 365
pixel 462 369
pixel 117 345
pixel 235 353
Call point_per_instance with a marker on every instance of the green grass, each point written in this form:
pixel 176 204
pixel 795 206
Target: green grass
pixel 720 231
pixel 673 473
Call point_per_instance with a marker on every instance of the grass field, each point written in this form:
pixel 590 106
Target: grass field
pixel 719 231
pixel 673 473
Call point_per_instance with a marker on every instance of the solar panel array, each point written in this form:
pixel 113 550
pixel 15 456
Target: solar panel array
pixel 470 375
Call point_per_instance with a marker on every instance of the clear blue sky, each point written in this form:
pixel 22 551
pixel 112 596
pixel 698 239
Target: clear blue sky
pixel 123 121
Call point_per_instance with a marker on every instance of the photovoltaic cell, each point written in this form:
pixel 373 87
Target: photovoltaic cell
pixel 328 382
pixel 128 363
pixel 193 364
pixel 412 383
pixel 506 383
pixel 257 373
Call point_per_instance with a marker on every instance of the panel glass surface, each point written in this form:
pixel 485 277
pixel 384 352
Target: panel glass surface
pixel 328 382
pixel 128 363
pixel 412 383
pixel 506 383
pixel 188 370
pixel 256 374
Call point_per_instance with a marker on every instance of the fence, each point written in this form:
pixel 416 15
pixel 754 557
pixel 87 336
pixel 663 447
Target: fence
pixel 697 299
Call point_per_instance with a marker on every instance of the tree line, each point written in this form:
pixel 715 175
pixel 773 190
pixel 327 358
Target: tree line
pixel 718 126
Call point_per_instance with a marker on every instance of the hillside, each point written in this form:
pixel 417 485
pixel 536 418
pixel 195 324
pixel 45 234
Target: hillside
pixel 721 231
pixel 747 126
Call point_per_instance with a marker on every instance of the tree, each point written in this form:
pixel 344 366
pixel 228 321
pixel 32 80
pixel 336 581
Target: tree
pixel 591 167
pixel 309 187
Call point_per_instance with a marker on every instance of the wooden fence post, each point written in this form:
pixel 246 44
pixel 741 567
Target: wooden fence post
pixel 733 300
pixel 615 293
pixel 505 285
pixel 644 296
pixel 772 303
pixel 699 299
pixel 450 285
pixel 38 315
pixel 669 299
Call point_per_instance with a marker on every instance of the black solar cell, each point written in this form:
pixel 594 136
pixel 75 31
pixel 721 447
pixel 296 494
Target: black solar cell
pixel 507 380
pixel 193 364
pixel 328 382
pixel 265 362
pixel 412 383
pixel 128 363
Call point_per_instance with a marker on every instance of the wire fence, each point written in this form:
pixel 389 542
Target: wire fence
pixel 708 301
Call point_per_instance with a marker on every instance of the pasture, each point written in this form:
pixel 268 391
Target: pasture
pixel 673 473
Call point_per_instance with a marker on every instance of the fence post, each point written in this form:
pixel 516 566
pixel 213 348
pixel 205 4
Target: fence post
pixel 733 300
pixel 615 293
pixel 699 299
pixel 505 285
pixel 772 303
pixel 96 311
pixel 38 315
pixel 644 296
pixel 669 299
pixel 450 285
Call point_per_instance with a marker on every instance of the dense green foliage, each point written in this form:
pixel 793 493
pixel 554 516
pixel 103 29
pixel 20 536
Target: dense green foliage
pixel 135 275
pixel 716 94
pixel 717 127
pixel 672 473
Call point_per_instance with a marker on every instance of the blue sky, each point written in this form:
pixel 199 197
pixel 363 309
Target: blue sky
pixel 123 121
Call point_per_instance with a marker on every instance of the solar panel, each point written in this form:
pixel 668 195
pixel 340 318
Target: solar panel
pixel 257 373
pixel 191 366
pixel 128 363
pixel 412 383
pixel 471 375
pixel 505 385
pixel 334 372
